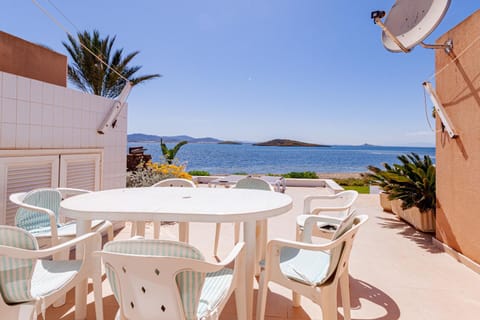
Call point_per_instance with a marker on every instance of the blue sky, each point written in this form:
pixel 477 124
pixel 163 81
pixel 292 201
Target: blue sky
pixel 310 70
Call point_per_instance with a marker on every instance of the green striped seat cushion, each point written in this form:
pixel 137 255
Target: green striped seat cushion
pixel 15 274
pixel 33 220
pixel 189 283
pixel 214 290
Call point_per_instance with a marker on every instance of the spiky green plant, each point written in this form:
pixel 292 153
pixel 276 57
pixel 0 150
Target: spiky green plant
pixel 415 186
pixel 412 181
pixel 90 75
pixel 170 154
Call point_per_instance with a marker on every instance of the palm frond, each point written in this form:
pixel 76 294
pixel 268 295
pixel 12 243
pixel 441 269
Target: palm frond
pixel 88 74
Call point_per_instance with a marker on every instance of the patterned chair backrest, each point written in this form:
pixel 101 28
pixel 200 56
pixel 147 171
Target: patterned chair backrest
pixel 142 280
pixel 16 274
pixel 253 183
pixel 44 198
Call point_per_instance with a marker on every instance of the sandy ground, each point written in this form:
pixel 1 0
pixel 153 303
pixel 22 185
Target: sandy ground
pixel 342 175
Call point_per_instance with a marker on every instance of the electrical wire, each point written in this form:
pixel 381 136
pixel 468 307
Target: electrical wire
pixel 61 26
pixel 457 56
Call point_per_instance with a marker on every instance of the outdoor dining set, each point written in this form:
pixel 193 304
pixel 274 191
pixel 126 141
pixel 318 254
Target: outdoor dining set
pixel 165 279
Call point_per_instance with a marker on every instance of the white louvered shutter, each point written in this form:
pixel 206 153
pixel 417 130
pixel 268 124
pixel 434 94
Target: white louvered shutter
pixel 81 171
pixel 20 174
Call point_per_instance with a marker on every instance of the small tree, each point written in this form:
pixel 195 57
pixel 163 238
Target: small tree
pixel 170 154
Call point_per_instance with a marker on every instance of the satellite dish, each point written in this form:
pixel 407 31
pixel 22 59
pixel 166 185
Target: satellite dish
pixel 409 22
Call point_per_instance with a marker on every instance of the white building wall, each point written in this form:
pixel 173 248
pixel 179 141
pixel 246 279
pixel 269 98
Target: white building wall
pixel 35 115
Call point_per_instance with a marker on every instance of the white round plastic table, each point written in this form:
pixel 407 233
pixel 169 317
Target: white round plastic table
pixel 182 205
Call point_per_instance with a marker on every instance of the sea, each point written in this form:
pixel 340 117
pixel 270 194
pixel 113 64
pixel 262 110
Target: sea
pixel 250 159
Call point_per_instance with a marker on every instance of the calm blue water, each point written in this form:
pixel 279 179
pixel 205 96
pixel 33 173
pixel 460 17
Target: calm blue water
pixel 224 158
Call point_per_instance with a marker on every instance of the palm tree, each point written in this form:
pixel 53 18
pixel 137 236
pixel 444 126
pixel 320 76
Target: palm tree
pixel 169 154
pixel 90 75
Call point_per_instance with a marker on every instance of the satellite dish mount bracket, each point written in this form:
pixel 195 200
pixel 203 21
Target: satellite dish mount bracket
pixel 447 46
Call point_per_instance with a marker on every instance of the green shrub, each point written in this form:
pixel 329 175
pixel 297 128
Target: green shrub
pixel 358 182
pixel 359 189
pixel 301 175
pixel 200 173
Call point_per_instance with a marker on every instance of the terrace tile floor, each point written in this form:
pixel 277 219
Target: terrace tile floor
pixel 396 272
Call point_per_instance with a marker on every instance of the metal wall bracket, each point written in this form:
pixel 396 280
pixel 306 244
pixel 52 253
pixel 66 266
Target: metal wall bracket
pixel 440 110
pixel 111 119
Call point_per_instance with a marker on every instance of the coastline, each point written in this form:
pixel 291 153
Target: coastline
pixel 321 175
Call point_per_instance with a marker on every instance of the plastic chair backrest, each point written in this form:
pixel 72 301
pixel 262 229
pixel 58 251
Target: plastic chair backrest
pixel 16 274
pixel 253 183
pixel 347 197
pixel 44 198
pixel 345 226
pixel 145 283
pixel 175 182
pixel 349 234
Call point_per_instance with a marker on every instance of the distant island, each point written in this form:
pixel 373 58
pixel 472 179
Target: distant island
pixel 229 142
pixel 288 143
pixel 140 137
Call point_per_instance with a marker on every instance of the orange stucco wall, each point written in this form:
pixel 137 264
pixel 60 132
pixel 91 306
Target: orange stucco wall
pixel 458 160
pixel 29 60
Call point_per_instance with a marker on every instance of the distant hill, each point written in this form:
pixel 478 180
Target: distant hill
pixel 140 137
pixel 288 143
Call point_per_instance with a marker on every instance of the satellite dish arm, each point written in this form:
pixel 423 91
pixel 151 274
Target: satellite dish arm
pixel 111 118
pixel 377 19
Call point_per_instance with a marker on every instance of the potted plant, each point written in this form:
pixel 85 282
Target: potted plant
pixel 411 185
pixel 414 186
pixel 379 177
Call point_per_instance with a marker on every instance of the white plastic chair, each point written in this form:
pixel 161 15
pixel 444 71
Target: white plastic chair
pixel 334 206
pixel 248 183
pixel 160 279
pixel 29 284
pixel 312 270
pixel 183 226
pixel 38 213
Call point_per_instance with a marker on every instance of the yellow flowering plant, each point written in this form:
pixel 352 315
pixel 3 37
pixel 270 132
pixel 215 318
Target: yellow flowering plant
pixel 147 174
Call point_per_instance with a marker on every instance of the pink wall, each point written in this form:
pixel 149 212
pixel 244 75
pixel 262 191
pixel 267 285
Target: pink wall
pixel 458 160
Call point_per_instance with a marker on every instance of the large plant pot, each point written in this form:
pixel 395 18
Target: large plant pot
pixel 385 202
pixel 424 222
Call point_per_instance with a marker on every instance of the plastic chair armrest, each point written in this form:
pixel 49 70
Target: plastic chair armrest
pixel 50 213
pixel 237 251
pixel 307 202
pixel 317 210
pixel 42 253
pixel 311 222
pixel 276 244
pixel 66 192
